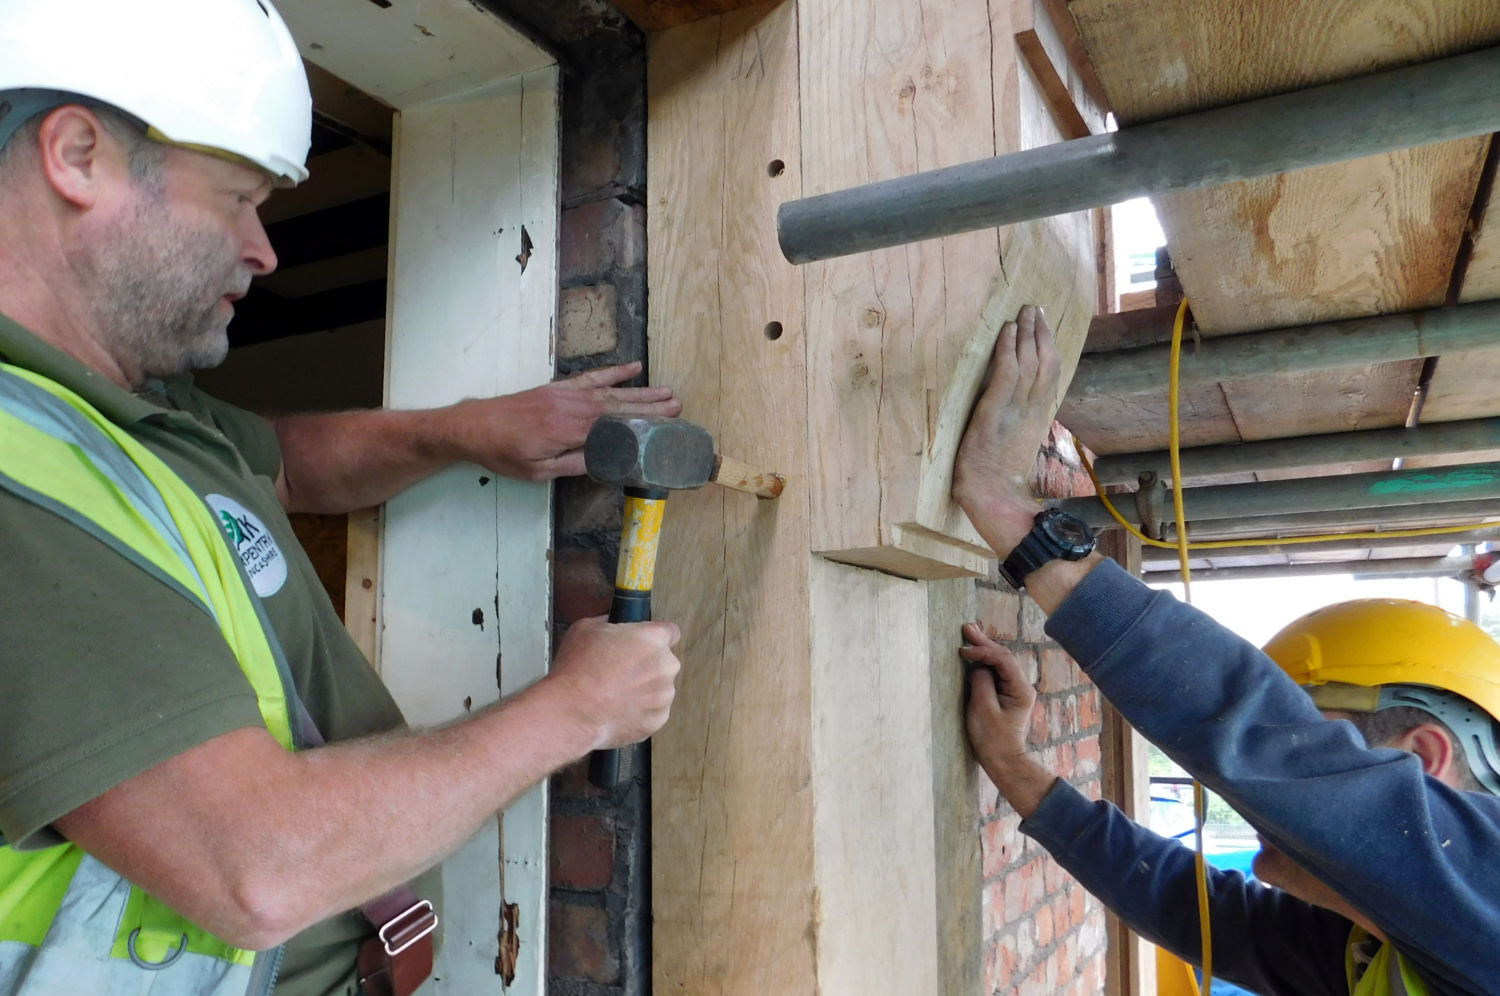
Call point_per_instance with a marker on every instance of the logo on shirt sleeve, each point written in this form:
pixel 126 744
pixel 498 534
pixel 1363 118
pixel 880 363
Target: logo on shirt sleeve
pixel 264 563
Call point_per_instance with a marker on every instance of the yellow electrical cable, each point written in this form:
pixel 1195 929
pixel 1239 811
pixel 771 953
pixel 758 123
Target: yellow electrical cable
pixel 1200 802
pixel 1260 541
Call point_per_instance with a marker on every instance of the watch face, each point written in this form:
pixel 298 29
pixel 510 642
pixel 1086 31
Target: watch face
pixel 1072 536
pixel 1070 530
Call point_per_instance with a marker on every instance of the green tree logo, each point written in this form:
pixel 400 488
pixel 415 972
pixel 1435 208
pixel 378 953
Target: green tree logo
pixel 232 529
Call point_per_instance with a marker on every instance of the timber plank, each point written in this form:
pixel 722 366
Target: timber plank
pixel 1372 236
pixel 1138 422
pixel 1482 279
pixel 1373 397
pixel 733 900
pixel 1168 57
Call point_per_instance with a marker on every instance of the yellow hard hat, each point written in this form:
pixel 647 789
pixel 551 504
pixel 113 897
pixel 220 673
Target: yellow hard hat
pixel 1371 642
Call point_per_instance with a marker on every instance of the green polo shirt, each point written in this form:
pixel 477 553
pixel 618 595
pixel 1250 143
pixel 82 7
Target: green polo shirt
pixel 108 672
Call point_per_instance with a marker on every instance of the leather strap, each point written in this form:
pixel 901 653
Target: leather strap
pixel 398 958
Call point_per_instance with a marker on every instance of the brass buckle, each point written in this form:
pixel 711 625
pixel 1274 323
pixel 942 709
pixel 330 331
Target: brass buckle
pixel 408 927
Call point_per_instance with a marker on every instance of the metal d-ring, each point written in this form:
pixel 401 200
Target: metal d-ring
pixel 153 966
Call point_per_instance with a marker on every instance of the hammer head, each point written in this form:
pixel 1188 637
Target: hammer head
pixel 649 452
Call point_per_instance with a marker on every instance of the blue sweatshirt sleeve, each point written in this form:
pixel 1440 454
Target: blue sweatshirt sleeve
pixel 1413 854
pixel 1263 938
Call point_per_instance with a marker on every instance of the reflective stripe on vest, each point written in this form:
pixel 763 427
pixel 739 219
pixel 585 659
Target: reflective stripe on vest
pixel 68 924
pixel 1388 974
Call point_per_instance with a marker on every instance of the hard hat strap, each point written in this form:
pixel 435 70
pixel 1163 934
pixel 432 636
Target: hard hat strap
pixel 19 106
pixel 1474 728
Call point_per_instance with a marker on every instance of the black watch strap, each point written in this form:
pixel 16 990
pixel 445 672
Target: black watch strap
pixel 1055 535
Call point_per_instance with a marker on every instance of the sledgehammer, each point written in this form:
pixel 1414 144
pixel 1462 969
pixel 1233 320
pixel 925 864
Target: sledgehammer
pixel 652 456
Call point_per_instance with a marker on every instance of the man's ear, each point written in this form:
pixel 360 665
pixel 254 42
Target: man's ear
pixel 79 158
pixel 1438 752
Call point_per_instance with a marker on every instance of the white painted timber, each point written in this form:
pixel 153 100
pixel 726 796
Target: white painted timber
pixel 465 602
pixel 413 51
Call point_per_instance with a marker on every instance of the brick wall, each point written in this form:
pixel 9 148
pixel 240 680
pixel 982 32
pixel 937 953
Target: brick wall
pixel 1044 935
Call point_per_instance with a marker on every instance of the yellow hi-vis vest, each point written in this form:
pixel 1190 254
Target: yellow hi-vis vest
pixel 68 924
pixel 1388 974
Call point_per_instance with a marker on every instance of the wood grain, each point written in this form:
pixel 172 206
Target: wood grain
pixel 873 769
pixel 888 90
pixel 956 780
pixel 733 898
pixel 910 328
pixel 1165 58
pixel 362 582
pixel 1373 236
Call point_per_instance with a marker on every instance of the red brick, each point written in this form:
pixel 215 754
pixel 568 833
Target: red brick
pixel 1055 724
pixel 1090 716
pixel 601 238
pixel 1064 762
pixel 578 947
pixel 587 322
pixel 1038 723
pixel 1070 723
pixel 582 852
pixel 1000 613
pixel 993 904
pixel 1058 672
pixel 1062 916
pixel 1032 886
pixel 1088 754
pixel 1055 879
pixel 584 505
pixel 580 586
pixel 1033 619
pixel 1044 926
pixel 990 801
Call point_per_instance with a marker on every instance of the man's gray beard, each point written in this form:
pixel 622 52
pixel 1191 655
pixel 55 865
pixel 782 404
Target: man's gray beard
pixel 161 283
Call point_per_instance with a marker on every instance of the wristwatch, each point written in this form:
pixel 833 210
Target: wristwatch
pixel 1055 535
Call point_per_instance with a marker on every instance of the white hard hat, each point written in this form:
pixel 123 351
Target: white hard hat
pixel 219 75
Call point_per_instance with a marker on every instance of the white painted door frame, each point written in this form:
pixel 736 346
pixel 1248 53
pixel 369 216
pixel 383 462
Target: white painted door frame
pixel 465 568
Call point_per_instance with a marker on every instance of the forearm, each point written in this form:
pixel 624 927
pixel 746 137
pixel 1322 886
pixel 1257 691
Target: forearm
pixel 266 843
pixel 1262 937
pixel 338 462
pixel 389 808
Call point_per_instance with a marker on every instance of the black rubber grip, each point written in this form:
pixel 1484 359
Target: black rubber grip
pixel 627 607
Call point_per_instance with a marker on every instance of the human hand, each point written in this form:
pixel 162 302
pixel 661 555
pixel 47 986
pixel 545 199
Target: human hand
pixel 998 721
pixel 538 435
pixel 618 679
pixel 1006 429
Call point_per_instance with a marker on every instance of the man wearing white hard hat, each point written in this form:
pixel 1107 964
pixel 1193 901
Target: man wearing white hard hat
pixel 1379 831
pixel 204 787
